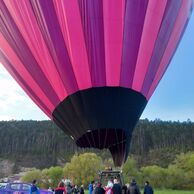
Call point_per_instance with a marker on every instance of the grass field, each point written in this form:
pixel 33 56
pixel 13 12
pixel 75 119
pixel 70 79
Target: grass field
pixel 172 192
pixel 165 192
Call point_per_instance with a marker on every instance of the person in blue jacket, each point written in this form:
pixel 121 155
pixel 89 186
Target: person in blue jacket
pixel 90 187
pixel 148 189
pixel 34 189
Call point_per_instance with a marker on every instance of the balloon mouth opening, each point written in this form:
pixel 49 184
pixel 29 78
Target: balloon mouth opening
pixel 102 138
pixel 110 138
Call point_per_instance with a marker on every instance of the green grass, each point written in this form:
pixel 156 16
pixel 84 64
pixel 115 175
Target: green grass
pixel 156 191
pixel 172 192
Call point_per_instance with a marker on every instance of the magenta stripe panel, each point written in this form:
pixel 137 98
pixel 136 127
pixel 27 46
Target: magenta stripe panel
pixel 93 27
pixel 133 27
pixel 113 35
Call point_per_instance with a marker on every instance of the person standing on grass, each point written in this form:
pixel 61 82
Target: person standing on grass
pixel 81 190
pixel 148 189
pixel 61 188
pixel 99 189
pixel 116 187
pixel 90 187
pixel 108 189
pixel 133 188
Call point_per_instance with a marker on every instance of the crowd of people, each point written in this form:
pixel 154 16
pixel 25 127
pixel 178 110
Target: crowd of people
pixel 112 187
pixel 68 189
pixel 64 187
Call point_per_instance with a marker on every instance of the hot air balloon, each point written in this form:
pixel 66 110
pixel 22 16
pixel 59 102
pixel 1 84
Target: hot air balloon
pixel 91 65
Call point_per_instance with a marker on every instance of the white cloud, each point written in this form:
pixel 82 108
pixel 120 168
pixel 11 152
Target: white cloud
pixel 6 118
pixel 14 103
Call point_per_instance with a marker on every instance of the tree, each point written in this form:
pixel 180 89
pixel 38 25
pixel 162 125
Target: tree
pixel 83 168
pixel 154 174
pixel 32 175
pixel 181 173
pixel 130 170
pixel 45 179
pixel 185 161
pixel 175 177
pixel 55 175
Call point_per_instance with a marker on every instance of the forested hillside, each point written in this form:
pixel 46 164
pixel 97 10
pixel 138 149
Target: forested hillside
pixel 41 144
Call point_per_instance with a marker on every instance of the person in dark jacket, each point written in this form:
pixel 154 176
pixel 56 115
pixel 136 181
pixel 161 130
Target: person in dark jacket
pixel 75 189
pixel 133 188
pixel 69 189
pixel 81 190
pixel 148 189
pixel 99 189
pixel 124 189
pixel 116 187
pixel 60 189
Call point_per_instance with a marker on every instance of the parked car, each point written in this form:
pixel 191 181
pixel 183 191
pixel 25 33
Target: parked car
pixel 18 188
pixel 3 185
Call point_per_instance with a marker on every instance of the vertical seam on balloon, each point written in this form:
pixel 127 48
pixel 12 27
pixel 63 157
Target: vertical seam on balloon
pixel 84 33
pixel 105 139
pixel 104 43
pixel 76 113
pixel 151 58
pixel 122 145
pixel 98 131
pixel 122 43
pixel 117 140
pixel 93 139
pixel 88 139
pixel 84 109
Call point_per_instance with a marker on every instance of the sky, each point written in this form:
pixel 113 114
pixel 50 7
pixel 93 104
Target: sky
pixel 173 99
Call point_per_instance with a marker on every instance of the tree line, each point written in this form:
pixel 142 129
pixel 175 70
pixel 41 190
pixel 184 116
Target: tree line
pixel 42 144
